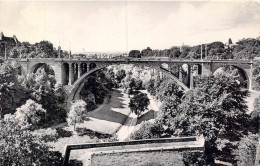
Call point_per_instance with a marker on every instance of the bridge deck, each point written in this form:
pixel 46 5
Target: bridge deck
pixel 238 61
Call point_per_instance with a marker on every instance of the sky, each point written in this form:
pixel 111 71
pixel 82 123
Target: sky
pixel 122 26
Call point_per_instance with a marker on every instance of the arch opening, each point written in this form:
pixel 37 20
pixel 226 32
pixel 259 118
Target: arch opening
pixel 184 74
pixel 239 74
pixel 43 66
pixel 92 66
pixel 75 71
pixel 83 67
pixel 65 70
pixel 197 69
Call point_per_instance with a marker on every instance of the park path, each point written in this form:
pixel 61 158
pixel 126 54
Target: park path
pixel 130 124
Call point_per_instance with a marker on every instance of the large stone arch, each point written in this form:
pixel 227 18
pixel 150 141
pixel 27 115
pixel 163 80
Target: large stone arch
pixel 244 75
pixel 77 86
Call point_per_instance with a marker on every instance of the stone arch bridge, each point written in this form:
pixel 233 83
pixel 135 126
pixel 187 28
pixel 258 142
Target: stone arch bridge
pixel 72 72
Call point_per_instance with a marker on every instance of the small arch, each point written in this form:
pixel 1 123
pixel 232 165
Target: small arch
pixel 185 72
pixel 92 66
pixel 65 73
pixel 197 69
pixel 83 67
pixel 75 71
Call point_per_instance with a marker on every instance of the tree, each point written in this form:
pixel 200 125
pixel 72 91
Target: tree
pixel 174 52
pixel 246 152
pixel 94 90
pixel 216 108
pixel 43 89
pixel 120 75
pixel 168 89
pixel 44 49
pixel 41 86
pixel 147 130
pixel 135 54
pixel 256 76
pixel 136 84
pixel 60 93
pixel 12 94
pixel 76 113
pixel 150 87
pixel 139 103
pixel 147 52
pixel 20 147
pixel 31 113
pixel 247 49
pixel 255 116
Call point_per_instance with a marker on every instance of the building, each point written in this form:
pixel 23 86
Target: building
pixel 6 43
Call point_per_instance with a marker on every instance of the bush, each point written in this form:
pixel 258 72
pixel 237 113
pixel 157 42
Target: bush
pixel 92 134
pixel 147 130
pixel 76 113
pixel 246 152
pixel 31 113
pixel 47 135
pixel 193 158
pixel 63 133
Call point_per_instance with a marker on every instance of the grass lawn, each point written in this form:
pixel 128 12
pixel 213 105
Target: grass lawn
pixel 108 118
pixel 163 158
pixel 115 111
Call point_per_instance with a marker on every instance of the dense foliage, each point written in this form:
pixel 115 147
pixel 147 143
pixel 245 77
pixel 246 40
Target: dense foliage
pixel 20 147
pixel 139 103
pixel 95 89
pixel 243 49
pixel 43 49
pixel 77 113
pixel 246 152
pixel 255 116
pixel 43 89
pixel 12 93
pixel 31 115
pixel 216 109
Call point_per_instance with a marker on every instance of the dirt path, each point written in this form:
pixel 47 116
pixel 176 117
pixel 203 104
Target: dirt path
pixel 127 128
pixel 130 124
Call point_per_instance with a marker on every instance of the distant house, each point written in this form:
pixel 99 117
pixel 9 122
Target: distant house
pixel 6 43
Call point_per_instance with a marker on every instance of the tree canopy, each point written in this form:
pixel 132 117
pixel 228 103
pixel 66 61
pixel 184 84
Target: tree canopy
pixel 12 93
pixel 139 103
